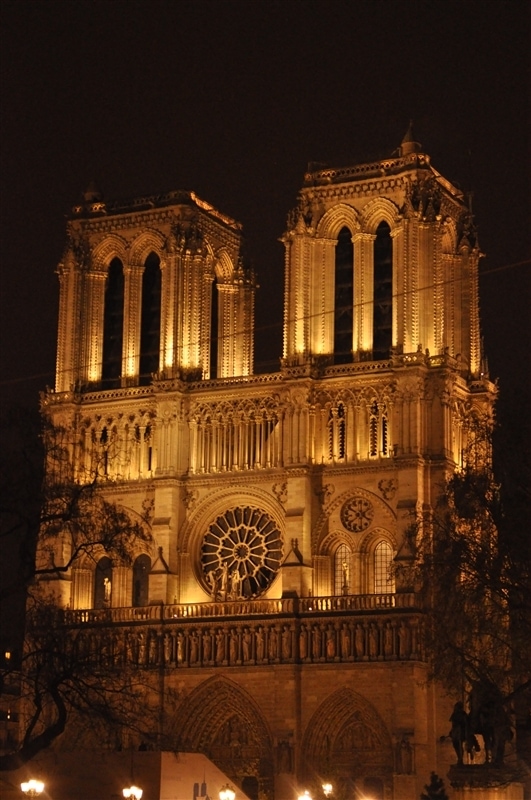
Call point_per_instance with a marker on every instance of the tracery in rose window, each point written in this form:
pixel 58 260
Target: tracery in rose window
pixel 241 553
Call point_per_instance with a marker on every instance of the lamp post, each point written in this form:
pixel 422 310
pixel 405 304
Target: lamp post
pixel 32 788
pixel 134 792
pixel 305 796
pixel 227 793
pixel 327 789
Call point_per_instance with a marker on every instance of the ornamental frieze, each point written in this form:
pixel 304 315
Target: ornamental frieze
pixel 249 643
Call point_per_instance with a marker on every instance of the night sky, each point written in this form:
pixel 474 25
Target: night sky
pixel 233 99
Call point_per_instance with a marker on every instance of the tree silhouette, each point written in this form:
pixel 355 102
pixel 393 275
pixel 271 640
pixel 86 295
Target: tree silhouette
pixel 472 568
pixel 49 519
pixel 434 789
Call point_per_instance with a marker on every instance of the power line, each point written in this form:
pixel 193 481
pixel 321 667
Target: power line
pixel 306 318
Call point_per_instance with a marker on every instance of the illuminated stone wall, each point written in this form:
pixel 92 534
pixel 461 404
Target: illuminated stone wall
pixel 277 503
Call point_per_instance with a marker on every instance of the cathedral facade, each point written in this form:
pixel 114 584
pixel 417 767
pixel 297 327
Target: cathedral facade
pixel 268 597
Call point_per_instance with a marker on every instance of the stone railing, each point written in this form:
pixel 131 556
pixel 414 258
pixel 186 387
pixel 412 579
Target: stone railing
pixel 238 608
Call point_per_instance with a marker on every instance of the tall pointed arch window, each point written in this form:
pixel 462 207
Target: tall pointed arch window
pixel 343 297
pixel 383 578
pixel 150 324
pixel 378 430
pixel 214 325
pixel 383 292
pixel 342 566
pixel 113 321
pixel 336 433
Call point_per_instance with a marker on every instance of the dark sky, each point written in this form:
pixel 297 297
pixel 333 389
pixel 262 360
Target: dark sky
pixel 232 99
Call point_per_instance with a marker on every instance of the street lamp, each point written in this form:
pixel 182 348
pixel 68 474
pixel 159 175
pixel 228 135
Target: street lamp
pixel 305 796
pixel 32 788
pixel 327 789
pixel 227 793
pixel 134 792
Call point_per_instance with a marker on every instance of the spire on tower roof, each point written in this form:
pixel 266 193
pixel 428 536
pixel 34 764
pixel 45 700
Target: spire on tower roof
pixel 92 194
pixel 408 144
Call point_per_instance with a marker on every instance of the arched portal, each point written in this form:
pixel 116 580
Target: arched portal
pixel 222 721
pixel 346 742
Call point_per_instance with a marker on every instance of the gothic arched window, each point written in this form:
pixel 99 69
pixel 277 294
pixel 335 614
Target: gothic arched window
pixel 383 579
pixel 342 563
pixel 103 583
pixel 378 430
pixel 336 433
pixel 344 297
pixel 113 319
pixel 214 322
pixel 141 569
pixel 373 430
pixel 150 325
pixel 383 292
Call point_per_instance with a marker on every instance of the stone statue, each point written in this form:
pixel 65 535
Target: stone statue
pixel 235 584
pixel 180 647
pixel 220 646
pixel 207 646
pixel 388 640
pixel 233 646
pixel 489 718
pixel 259 644
pixel 167 648
pixel 459 731
pixel 330 643
pixel 344 568
pixel 224 581
pixel 404 756
pixel 303 642
pixel 286 642
pixel 316 643
pixel 345 642
pixel 403 640
pixel 373 641
pixel 153 649
pixel 360 642
pixel 213 581
pixel 284 756
pixel 107 586
pixel 246 644
pixel 194 648
pixel 273 643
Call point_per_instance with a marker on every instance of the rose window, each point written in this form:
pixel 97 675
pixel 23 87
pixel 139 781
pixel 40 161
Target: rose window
pixel 241 553
pixel 357 514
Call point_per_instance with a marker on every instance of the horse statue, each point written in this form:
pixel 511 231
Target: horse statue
pixel 489 719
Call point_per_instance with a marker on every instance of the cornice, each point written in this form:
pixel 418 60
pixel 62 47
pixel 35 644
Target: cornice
pixel 375 169
pixel 145 205
pixel 237 479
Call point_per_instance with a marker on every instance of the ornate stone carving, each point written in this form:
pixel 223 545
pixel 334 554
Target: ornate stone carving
pixel 280 490
pixel 190 499
pixel 388 488
pixel 356 514
pixel 325 493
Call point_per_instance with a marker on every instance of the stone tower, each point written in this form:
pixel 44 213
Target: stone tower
pixel 277 503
